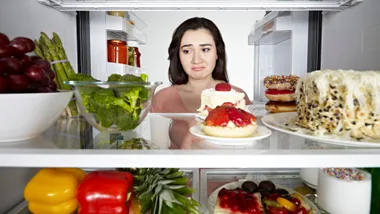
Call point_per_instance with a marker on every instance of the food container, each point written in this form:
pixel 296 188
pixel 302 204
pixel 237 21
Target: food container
pixel 344 190
pixel 133 54
pixel 107 111
pixel 117 51
pixel 27 115
pixel 117 13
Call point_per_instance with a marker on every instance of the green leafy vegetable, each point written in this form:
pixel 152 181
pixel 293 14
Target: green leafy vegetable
pixel 117 105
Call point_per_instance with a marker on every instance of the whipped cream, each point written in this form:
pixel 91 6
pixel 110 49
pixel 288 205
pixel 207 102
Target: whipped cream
pixel 212 98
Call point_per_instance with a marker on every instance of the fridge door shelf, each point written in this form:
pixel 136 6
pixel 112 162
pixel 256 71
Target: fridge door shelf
pixel 274 28
pixel 119 28
pixel 164 5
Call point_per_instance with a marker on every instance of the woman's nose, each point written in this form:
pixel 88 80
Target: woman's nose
pixel 197 58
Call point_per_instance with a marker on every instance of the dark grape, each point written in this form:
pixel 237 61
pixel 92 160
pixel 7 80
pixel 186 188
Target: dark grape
pixel 53 86
pixel 35 73
pixel 45 81
pixel 4 40
pixel 43 64
pixel 3 85
pixel 44 90
pixel 20 46
pixel 267 185
pixel 51 74
pixel 35 58
pixel 11 65
pixel 25 60
pixel 17 82
pixel 29 43
pixel 6 51
pixel 249 186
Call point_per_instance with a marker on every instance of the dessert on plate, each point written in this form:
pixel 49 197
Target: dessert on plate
pixel 340 102
pixel 222 93
pixel 280 93
pixel 251 198
pixel 229 121
pixel 355 184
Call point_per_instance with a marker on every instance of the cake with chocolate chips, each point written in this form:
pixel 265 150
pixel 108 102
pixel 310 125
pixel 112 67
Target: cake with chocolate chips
pixel 343 102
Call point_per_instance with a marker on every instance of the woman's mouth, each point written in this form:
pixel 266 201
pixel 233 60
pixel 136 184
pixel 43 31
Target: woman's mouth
pixel 197 68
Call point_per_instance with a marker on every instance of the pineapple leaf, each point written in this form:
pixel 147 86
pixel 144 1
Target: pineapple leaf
pixel 175 186
pixel 145 201
pixel 178 209
pixel 157 191
pixel 174 175
pixel 185 191
pixel 182 180
pixel 166 171
pixel 168 196
pixel 165 182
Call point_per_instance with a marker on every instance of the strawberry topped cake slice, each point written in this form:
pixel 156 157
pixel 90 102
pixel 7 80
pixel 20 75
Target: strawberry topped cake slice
pixel 221 94
pixel 238 201
pixel 229 121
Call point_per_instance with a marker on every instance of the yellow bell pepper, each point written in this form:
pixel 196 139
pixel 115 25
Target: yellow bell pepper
pixel 53 191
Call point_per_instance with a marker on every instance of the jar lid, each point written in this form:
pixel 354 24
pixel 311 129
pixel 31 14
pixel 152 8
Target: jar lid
pixel 132 44
pixel 116 41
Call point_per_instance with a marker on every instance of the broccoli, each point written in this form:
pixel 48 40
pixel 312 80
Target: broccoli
pixel 81 77
pixel 117 105
pixel 114 78
pixel 126 120
pixel 124 78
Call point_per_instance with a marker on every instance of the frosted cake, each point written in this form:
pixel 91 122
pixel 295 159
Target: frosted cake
pixel 221 94
pixel 340 102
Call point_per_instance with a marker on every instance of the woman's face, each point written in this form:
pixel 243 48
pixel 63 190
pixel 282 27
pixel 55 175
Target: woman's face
pixel 198 53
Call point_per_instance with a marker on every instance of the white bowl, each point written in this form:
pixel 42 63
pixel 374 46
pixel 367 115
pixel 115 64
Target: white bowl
pixel 25 116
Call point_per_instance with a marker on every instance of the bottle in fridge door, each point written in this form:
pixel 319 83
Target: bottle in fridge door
pixel 134 54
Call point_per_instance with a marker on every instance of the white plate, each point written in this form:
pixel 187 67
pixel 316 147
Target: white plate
pixel 214 195
pixel 277 121
pixel 261 132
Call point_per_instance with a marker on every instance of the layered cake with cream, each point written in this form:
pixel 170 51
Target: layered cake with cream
pixel 340 102
pixel 223 93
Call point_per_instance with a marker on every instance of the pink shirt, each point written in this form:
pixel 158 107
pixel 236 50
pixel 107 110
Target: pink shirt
pixel 168 100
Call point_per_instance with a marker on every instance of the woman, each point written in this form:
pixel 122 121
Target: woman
pixel 197 62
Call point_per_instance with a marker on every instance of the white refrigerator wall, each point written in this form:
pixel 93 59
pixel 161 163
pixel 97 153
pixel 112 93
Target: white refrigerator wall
pixel 351 39
pixel 234 26
pixel 28 18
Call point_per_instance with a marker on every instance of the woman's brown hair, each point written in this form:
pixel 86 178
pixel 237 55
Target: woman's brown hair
pixel 177 75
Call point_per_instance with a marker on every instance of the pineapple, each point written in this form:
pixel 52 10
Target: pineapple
pixel 163 191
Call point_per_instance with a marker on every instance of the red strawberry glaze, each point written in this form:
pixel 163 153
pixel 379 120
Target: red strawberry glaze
pixel 239 201
pixel 221 115
pixel 217 117
pixel 275 91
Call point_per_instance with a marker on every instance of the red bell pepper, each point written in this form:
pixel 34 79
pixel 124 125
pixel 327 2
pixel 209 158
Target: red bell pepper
pixel 105 192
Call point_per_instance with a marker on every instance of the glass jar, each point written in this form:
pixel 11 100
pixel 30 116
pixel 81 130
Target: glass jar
pixel 133 54
pixel 117 13
pixel 117 51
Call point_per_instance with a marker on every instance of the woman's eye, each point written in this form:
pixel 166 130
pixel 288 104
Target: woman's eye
pixel 185 51
pixel 206 49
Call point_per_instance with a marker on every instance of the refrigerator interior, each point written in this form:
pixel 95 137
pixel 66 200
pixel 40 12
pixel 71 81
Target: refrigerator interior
pixel 280 43
pixel 340 49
